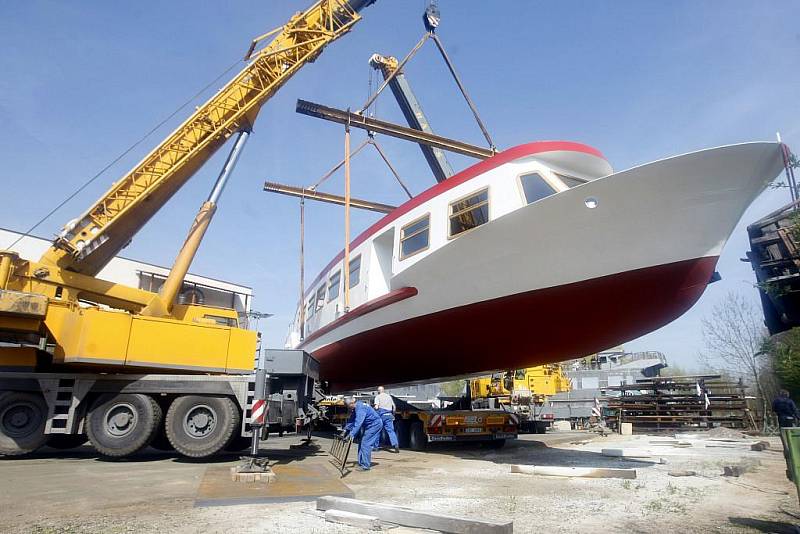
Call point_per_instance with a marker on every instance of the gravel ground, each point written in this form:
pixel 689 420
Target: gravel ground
pixel 80 493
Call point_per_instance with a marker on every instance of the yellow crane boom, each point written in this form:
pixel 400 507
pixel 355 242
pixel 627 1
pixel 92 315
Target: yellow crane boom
pixel 86 244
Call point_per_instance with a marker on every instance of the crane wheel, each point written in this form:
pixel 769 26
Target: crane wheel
pixel 65 442
pixel 22 419
pixel 199 426
pixel 417 439
pixel 120 425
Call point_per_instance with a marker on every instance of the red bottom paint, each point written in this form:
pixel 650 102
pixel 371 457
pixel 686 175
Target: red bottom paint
pixel 527 329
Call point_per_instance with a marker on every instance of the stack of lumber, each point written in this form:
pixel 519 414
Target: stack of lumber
pixel 681 402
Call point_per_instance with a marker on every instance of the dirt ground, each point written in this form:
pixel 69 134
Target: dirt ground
pixel 57 492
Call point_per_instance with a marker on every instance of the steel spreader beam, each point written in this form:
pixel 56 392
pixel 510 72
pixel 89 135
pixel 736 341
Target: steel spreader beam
pixel 312 109
pixel 326 197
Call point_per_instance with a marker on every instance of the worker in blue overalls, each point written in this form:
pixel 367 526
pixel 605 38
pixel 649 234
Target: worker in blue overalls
pixel 384 404
pixel 363 417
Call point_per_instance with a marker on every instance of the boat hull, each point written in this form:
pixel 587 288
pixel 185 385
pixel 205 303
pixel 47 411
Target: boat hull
pixel 531 328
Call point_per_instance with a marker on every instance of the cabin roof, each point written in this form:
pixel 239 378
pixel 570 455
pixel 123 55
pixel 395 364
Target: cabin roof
pixel 543 148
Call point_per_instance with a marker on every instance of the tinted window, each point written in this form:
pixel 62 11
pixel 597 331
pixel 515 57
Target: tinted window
pixel 333 286
pixel 469 212
pixel 534 187
pixel 355 271
pixel 415 236
pixel 569 181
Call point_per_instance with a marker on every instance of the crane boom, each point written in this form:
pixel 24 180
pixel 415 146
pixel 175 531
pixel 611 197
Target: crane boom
pixel 86 244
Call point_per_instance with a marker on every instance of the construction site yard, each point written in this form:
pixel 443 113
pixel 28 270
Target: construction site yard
pixel 57 492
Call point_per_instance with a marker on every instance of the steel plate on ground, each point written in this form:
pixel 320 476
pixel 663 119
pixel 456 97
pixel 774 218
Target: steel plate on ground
pixel 292 483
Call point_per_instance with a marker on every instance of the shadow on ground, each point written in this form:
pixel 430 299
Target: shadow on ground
pixel 773 527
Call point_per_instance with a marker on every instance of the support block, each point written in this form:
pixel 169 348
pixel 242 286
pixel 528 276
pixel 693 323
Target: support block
pixel 244 476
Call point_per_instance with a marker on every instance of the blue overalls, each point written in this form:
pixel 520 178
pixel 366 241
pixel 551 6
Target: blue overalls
pixel 387 418
pixel 364 416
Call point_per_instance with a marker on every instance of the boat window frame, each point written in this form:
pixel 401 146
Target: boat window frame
pixel 546 179
pixel 338 275
pixel 401 238
pixel 350 271
pixel 311 309
pixel 317 299
pixel 488 190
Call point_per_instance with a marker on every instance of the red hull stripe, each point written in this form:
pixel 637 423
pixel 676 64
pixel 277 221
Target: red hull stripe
pixel 532 328
pixel 381 302
pixel 467 174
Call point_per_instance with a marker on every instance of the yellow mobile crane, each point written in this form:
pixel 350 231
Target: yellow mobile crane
pixel 522 391
pixel 72 368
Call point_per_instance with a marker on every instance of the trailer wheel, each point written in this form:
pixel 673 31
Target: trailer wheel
pixel 417 438
pixel 401 429
pixel 161 441
pixel 22 420
pixel 199 426
pixel 120 425
pixel 65 442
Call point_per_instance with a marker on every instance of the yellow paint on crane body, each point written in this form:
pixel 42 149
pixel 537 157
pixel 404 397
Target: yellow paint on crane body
pixel 58 303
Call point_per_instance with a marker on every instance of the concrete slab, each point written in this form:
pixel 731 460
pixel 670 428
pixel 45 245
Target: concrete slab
pixel 293 482
pixel 409 517
pixel 368 522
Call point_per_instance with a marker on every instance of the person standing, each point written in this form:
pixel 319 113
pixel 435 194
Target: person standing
pixel 785 409
pixel 363 416
pixel 384 404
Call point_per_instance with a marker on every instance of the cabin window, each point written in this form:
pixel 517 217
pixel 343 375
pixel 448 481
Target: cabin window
pixel 310 308
pixel 320 297
pixel 469 212
pixel 570 181
pixel 415 236
pixel 534 187
pixel 333 285
pixel 355 271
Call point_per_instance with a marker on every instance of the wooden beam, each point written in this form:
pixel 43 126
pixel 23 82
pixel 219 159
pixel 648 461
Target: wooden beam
pixel 408 517
pixel 312 194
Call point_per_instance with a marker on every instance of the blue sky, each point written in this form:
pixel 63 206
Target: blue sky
pixel 639 80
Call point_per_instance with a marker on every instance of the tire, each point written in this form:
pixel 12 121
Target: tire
pixel 65 442
pixel 495 444
pixel 417 439
pixel 160 441
pixel 401 428
pixel 121 425
pixel 22 419
pixel 200 426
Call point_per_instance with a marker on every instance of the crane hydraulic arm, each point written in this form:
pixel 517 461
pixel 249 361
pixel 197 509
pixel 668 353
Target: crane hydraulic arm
pixel 87 243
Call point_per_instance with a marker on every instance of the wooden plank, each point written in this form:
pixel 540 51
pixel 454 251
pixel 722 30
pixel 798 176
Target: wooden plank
pixel 408 517
pixel 584 472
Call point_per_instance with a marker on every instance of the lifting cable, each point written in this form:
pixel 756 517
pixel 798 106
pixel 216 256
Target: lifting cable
pixel 431 19
pixel 124 153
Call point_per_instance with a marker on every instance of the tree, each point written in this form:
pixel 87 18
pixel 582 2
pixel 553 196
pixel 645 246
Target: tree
pixel 735 338
pixel 785 352
pixel 454 388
